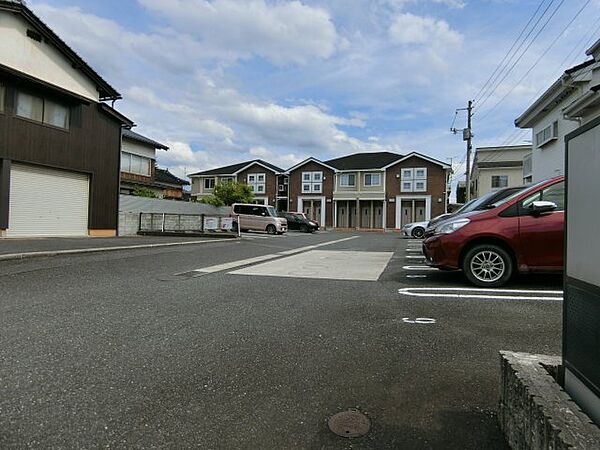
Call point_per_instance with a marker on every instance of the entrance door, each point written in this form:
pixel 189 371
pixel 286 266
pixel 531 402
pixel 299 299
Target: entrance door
pixel 352 215
pixel 342 215
pixel 419 209
pixel 378 221
pixel 407 212
pixel 365 221
pixel 312 209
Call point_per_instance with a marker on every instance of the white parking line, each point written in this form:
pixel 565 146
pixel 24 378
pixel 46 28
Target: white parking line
pixel 482 293
pixel 413 250
pixel 419 268
pixel 416 276
pixel 258 259
pixel 414 257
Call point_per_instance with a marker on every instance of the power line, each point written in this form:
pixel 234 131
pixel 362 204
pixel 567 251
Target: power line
pixel 538 60
pixel 490 93
pixel 509 50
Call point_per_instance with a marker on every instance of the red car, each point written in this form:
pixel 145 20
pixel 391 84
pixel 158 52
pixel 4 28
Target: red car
pixel 523 232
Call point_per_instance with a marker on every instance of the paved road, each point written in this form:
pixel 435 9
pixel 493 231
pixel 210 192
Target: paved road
pixel 168 348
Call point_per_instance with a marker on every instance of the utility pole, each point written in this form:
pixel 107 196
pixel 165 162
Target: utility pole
pixel 468 137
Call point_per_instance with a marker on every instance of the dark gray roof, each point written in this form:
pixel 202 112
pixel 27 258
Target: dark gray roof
pixel 495 164
pixel 164 176
pixel 360 161
pixel 106 91
pixel 230 170
pixel 132 135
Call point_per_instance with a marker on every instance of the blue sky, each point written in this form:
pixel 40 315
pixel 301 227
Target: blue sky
pixel 221 81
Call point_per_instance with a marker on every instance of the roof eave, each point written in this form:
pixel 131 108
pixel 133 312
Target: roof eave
pixel 526 119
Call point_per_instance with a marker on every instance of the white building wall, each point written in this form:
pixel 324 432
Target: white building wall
pixel 549 160
pixel 39 59
pixel 484 181
pixel 138 149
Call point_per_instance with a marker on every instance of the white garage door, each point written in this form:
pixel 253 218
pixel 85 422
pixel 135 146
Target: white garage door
pixel 47 202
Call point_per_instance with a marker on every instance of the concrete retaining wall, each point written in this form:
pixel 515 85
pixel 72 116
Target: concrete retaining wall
pixel 535 412
pixel 131 206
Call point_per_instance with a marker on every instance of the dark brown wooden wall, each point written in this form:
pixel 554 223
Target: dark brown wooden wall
pixel 270 181
pixel 92 145
pixel 295 187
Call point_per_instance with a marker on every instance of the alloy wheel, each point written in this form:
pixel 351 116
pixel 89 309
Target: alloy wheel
pixel 487 266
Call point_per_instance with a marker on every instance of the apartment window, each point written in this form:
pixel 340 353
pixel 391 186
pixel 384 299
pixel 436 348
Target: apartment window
pixel 421 173
pixel 138 165
pixel 42 110
pixel 407 186
pixel 281 188
pixel 546 135
pixel 372 179
pixel 209 183
pixel 312 182
pixel 499 181
pixel 2 96
pixel 407 174
pixel 256 181
pixel 413 179
pixel 225 180
pixel 347 180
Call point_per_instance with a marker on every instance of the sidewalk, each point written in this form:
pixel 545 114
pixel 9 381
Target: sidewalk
pixel 43 247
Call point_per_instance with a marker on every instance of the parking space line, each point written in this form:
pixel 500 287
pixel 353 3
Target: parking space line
pixel 263 258
pixel 419 268
pixel 483 293
pixel 414 257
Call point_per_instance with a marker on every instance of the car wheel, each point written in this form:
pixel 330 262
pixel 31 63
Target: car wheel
pixel 304 229
pixel 418 232
pixel 271 229
pixel 488 266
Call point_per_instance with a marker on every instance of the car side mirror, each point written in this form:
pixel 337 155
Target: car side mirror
pixel 542 207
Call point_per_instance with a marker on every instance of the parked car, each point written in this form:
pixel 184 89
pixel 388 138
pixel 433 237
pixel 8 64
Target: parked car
pixel 523 232
pixel 477 204
pixel 297 221
pixel 259 218
pixel 415 229
pixel 301 214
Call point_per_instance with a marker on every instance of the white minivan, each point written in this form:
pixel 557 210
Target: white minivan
pixel 259 218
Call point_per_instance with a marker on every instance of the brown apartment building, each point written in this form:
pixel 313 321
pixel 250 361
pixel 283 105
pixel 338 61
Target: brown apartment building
pixel 371 191
pixel 264 178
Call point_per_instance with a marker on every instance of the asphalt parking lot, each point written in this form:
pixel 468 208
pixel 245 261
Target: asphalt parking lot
pixel 257 343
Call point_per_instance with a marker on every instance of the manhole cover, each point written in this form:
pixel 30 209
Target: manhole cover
pixel 351 423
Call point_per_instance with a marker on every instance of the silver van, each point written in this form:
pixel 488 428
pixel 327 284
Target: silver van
pixel 259 218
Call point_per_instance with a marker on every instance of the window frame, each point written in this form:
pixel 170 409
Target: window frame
pixel 44 101
pixel 253 180
pixel 371 175
pixel 407 181
pixel 208 181
pixel 416 183
pixel 552 129
pixel 347 175
pixel 129 169
pixel 310 180
pixel 498 177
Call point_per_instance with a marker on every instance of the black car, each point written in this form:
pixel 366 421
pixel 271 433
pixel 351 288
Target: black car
pixel 298 222
pixel 478 204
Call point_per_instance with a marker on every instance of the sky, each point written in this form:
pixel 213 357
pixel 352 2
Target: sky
pixel 224 81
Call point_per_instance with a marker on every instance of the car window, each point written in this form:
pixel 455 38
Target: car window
pixel 554 193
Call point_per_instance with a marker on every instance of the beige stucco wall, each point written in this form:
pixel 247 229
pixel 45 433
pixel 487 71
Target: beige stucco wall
pixel 515 178
pixel 39 59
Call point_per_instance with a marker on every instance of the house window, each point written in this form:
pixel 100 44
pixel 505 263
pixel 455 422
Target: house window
pixel 209 183
pixel 2 96
pixel 414 180
pixel 135 164
pixel 225 180
pixel 347 180
pixel 256 181
pixel 372 179
pixel 311 182
pixel 546 135
pixel 42 110
pixel 499 181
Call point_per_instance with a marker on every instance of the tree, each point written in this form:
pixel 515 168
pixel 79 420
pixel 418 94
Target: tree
pixel 226 194
pixel 142 191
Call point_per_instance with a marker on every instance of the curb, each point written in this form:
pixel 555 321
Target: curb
pixel 50 253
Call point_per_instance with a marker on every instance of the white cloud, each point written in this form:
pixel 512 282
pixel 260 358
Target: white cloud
pixel 283 32
pixel 409 28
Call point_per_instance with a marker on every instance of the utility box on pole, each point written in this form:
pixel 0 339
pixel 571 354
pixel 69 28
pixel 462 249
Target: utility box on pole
pixel 581 310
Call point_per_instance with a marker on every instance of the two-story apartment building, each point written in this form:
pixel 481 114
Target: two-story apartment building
pixel 59 142
pixel 571 101
pixel 376 191
pixel 264 178
pixel 498 167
